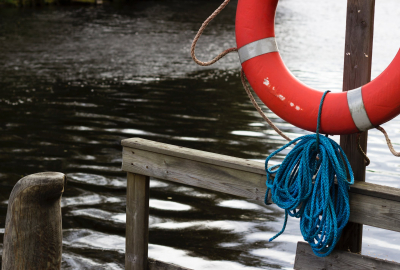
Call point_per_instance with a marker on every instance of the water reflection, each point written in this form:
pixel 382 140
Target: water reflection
pixel 75 81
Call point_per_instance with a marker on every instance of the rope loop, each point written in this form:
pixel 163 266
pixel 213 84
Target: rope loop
pixel 366 158
pixel 196 38
pixel 389 143
pixel 314 190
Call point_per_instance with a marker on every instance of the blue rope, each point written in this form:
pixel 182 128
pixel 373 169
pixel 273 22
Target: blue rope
pixel 304 186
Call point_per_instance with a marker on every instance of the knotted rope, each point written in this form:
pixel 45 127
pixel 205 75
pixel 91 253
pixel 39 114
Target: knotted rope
pixel 305 187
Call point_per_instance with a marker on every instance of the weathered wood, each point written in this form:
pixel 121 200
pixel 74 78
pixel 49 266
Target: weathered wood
pixel 378 191
pixel 196 155
pixel 137 222
pixel 338 260
pixel 195 173
pixel 375 212
pixel 357 72
pixel 33 231
pixel 358 44
pixel 371 204
pixel 159 265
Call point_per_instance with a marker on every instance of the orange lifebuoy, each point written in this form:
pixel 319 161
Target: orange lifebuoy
pixel 343 113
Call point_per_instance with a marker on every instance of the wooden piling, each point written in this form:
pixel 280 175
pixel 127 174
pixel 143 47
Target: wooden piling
pixel 33 231
pixel 357 72
pixel 137 222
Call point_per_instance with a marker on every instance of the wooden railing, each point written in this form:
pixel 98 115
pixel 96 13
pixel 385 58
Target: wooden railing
pixel 370 204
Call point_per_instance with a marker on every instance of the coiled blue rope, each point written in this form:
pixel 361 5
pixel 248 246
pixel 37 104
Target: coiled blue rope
pixel 305 187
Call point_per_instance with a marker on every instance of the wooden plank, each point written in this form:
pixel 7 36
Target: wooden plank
pixel 358 44
pixel 357 72
pixel 378 191
pixel 234 163
pixel 338 260
pixel 370 204
pixel 33 230
pixel 194 173
pixel 159 265
pixel 136 149
pixel 197 155
pixel 375 212
pixel 137 222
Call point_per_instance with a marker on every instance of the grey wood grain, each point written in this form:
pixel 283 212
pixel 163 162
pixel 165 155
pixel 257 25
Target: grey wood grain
pixel 357 72
pixel 338 260
pixel 375 212
pixel 371 204
pixel 159 265
pixel 137 222
pixel 33 231
pixel 375 190
pixel 195 173
pixel 196 155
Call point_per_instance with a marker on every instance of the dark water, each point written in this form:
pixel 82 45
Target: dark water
pixel 75 81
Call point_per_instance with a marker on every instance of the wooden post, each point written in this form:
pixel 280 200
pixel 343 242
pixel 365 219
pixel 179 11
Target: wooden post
pixel 357 72
pixel 137 222
pixel 33 231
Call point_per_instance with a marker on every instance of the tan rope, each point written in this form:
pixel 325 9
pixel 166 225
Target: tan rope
pixel 196 38
pixel 192 51
pixel 246 87
pixel 389 143
pixel 367 160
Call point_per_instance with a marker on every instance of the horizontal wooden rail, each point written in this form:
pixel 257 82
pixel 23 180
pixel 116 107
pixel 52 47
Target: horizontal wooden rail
pixel 216 172
pixel 306 260
pixel 371 204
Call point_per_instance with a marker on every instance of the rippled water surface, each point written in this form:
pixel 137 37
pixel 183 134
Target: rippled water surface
pixel 75 81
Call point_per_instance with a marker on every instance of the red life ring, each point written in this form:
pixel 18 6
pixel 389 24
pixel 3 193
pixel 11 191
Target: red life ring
pixel 343 113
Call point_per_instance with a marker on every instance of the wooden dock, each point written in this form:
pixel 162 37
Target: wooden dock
pixel 38 196
pixel 370 204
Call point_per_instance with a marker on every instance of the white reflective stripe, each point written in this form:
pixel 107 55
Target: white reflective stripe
pixel 357 110
pixel 257 48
